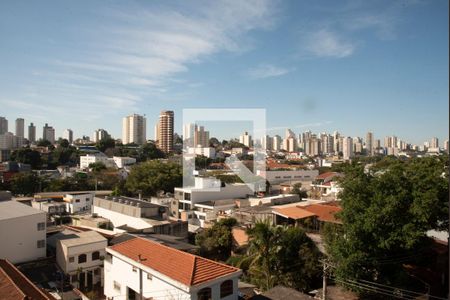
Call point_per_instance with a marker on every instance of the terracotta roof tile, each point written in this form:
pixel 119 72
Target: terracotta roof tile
pixel 325 213
pixel 14 285
pixel 293 212
pixel 327 174
pixel 183 267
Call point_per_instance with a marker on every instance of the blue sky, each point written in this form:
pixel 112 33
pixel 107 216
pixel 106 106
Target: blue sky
pixel 350 66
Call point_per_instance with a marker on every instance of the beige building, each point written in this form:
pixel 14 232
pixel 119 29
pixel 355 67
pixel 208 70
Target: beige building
pixel 164 131
pixel 48 133
pixel 134 129
pixel 20 128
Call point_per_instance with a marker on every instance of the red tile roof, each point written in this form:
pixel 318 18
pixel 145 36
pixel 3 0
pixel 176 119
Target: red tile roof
pixel 183 267
pixel 293 212
pixel 327 174
pixel 14 285
pixel 324 212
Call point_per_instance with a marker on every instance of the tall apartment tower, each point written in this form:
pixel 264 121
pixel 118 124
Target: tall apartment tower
pixel 100 134
pixel 3 125
pixel 347 148
pixel 134 129
pixel 246 139
pixel 164 131
pixel 68 135
pixel 434 142
pixel 369 143
pixel 20 128
pixel 276 145
pixel 31 133
pixel 48 133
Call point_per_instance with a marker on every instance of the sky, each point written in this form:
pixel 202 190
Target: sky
pixel 351 66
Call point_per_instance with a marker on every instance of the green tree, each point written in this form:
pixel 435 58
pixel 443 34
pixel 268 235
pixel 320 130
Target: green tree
pixel 105 144
pixel 386 214
pixel 281 255
pixel 97 167
pixel 150 151
pixel 153 176
pixel 297 189
pixel 216 242
pixel 24 184
pixel 27 156
pixel 64 143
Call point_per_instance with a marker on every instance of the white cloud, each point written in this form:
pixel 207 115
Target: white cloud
pixel 267 70
pixel 326 43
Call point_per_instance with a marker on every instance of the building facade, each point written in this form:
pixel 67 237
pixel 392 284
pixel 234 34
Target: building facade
pixel 164 131
pixel 134 129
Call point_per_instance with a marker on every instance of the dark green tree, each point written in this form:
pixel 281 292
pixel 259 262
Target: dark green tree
pixel 27 156
pixel 105 144
pixel 150 151
pixel 216 242
pixel 297 189
pixel 24 184
pixel 386 214
pixel 153 176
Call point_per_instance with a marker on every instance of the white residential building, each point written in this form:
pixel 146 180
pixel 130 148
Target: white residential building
pixel 276 145
pixel 142 267
pixel 347 148
pixel 86 160
pixel 68 135
pixel 209 152
pixel 122 161
pixel 275 177
pixel 246 139
pixel 134 129
pixel 23 232
pixel 48 133
pixel 100 134
pixel 78 202
pixel 80 256
pixel 20 128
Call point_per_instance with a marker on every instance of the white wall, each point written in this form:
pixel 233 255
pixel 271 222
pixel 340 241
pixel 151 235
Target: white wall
pixel 118 219
pixel 19 238
pixel 282 176
pixel 84 204
pixel 160 286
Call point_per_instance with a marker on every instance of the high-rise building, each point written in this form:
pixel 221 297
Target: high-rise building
pixel 267 142
pixel 188 134
pixel 134 129
pixel 164 131
pixel 3 125
pixel 246 139
pixel 100 134
pixel 48 133
pixel 201 137
pixel 8 141
pixel 20 128
pixel 68 135
pixel 276 145
pixel 312 146
pixel 446 146
pixel 31 133
pixel 434 143
pixel 327 144
pixel 369 143
pixel 347 148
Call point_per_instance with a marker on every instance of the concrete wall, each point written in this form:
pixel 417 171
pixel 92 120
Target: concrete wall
pixel 19 238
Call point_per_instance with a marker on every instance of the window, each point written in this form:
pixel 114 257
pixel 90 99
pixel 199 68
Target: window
pixel 204 294
pixel 41 226
pixel 97 272
pixel 116 286
pixel 77 200
pixel 87 199
pixel 134 269
pixel 226 288
pixel 187 196
pixel 82 258
pixel 95 255
pixel 73 278
pixel 71 259
pixel 149 276
pixel 41 244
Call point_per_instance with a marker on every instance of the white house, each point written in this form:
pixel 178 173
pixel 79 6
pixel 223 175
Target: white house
pixel 209 152
pixel 78 202
pixel 282 176
pixel 122 161
pixel 80 256
pixel 86 160
pixel 142 267
pixel 22 232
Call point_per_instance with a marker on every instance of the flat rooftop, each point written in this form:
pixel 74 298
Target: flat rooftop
pixel 70 238
pixel 63 193
pixel 13 209
pixel 131 201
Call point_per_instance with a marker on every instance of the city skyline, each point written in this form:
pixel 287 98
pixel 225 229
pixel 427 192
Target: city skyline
pixel 285 57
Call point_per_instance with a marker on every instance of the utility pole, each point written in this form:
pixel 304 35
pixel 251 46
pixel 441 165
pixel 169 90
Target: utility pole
pixel 326 266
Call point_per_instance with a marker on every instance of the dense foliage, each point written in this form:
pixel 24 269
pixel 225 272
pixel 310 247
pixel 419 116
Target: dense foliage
pixel 216 242
pixel 386 214
pixel 153 176
pixel 280 256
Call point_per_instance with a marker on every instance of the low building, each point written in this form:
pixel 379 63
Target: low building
pixel 16 286
pixel 51 207
pixel 86 160
pixel 23 232
pixel 209 152
pixel 78 202
pixel 275 177
pixel 141 267
pixel 80 256
pixel 326 184
pixel 122 161
pixel 137 216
